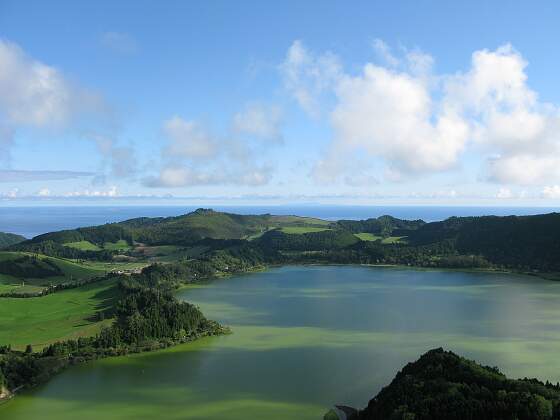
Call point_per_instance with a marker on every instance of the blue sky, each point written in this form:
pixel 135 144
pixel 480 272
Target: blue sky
pixel 373 102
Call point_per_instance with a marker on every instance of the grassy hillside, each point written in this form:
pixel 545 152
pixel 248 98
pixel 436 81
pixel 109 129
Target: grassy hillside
pixel 365 236
pixel 182 230
pixel 298 230
pixel 66 272
pixel 63 315
pixel 83 246
pixel 202 223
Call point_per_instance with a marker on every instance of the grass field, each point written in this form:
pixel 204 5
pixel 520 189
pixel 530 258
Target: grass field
pixel 63 315
pixel 83 246
pixel 73 271
pixel 364 236
pixel 303 229
pixel 293 220
pixel 121 245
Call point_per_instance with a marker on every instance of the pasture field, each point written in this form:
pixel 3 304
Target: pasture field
pixel 72 271
pixel 298 230
pixel 121 245
pixel 83 246
pixel 298 220
pixel 58 316
pixel 365 236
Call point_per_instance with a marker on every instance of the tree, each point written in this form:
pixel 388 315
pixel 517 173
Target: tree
pixel 29 349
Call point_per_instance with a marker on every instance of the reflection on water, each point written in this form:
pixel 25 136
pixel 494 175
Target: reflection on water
pixel 307 337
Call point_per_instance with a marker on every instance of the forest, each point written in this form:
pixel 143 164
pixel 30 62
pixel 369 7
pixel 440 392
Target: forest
pixel 441 385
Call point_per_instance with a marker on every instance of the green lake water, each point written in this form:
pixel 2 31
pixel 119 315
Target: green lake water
pixel 305 338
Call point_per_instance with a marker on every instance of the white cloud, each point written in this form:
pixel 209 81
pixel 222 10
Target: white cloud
pixel 189 140
pixel 39 96
pixel 120 160
pixel 524 169
pixel 111 192
pixel 44 192
pixel 418 122
pixel 307 76
pixel 551 192
pixel 261 121
pixel 504 193
pixel 391 115
pixel 13 193
pixel 187 176
pixel 507 117
pixel 384 53
pixel 119 42
pixel 194 157
pixel 35 94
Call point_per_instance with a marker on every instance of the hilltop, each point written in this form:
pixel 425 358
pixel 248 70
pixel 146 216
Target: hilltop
pixel 7 239
pixel 441 385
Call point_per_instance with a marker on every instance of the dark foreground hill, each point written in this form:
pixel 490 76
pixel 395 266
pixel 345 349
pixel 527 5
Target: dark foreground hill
pixel 444 386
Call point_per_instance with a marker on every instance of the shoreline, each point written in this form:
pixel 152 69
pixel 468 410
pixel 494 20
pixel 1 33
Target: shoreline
pixel 549 276
pixel 67 362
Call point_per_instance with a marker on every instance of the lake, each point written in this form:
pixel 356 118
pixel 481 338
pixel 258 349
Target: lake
pixel 305 338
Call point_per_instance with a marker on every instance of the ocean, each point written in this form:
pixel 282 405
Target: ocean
pixel 31 221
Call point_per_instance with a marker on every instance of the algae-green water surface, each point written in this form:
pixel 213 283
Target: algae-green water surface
pixel 305 338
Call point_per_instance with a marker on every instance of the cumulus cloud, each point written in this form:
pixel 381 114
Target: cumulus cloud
pixel 418 122
pixel 195 157
pixel 384 53
pixel 35 94
pixel 120 160
pixel 551 192
pixel 260 121
pixel 391 114
pixel 111 192
pixel 307 76
pixel 189 140
pixel 504 193
pixel 13 193
pixel 508 118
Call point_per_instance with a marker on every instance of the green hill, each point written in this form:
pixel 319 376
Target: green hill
pixel 181 230
pixel 59 316
pixel 7 239
pixel 524 242
pixel 22 272
pixel 444 386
